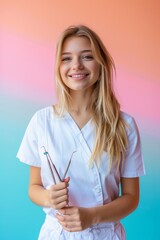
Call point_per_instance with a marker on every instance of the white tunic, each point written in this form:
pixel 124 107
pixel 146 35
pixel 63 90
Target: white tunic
pixel 89 186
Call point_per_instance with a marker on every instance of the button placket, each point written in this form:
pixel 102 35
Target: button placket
pixel 94 171
pixel 97 185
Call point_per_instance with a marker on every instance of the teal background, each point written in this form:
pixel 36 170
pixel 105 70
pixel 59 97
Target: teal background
pixel 28 34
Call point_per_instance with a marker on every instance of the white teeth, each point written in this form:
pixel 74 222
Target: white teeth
pixel 78 75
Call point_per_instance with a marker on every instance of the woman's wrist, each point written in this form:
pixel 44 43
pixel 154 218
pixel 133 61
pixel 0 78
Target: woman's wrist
pixel 47 203
pixel 93 213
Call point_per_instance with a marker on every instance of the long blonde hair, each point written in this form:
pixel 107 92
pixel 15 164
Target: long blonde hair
pixel 110 126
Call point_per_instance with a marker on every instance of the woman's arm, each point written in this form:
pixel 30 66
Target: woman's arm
pixel 77 219
pixel 56 197
pixel 120 207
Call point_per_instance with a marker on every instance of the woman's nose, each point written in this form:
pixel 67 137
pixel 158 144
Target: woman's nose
pixel 77 64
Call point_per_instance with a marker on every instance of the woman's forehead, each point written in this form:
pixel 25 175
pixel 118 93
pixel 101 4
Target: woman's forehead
pixel 76 44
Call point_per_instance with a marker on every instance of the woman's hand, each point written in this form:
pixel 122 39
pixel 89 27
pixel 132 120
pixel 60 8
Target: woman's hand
pixel 74 219
pixel 58 194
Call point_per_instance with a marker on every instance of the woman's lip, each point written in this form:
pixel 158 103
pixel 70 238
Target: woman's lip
pixel 78 75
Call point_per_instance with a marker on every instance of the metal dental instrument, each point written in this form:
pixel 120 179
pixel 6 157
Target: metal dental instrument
pixel 68 166
pixel 52 166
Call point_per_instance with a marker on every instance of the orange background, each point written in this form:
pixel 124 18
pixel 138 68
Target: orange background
pixel 28 34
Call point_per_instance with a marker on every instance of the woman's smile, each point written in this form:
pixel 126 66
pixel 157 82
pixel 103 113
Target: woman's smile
pixel 78 76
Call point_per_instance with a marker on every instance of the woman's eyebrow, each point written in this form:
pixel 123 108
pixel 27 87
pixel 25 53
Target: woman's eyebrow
pixel 83 51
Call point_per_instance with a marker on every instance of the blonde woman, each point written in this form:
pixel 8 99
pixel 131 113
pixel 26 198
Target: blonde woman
pixel 95 148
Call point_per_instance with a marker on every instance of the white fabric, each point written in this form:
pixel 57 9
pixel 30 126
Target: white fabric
pixel 89 185
pixel 52 230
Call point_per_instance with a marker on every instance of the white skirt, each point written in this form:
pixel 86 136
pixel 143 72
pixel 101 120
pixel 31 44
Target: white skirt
pixel 52 230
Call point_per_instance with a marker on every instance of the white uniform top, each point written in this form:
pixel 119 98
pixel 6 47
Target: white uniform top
pixel 89 186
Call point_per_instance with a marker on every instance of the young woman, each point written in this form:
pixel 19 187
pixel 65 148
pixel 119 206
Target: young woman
pixel 100 186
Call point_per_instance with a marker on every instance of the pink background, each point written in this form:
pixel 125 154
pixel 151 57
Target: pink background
pixel 131 32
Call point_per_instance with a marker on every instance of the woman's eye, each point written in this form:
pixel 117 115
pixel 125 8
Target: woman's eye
pixel 87 57
pixel 65 59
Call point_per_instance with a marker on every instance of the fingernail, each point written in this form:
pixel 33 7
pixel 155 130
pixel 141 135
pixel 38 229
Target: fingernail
pixel 66 180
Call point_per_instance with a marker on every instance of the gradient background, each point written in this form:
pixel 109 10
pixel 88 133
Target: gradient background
pixel 29 31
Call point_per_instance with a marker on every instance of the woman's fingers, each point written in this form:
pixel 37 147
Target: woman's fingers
pixel 58 195
pixel 69 223
pixel 59 186
pixel 59 205
pixel 74 219
pixel 66 180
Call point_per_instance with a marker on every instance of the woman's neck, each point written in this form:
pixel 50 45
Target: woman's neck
pixel 80 102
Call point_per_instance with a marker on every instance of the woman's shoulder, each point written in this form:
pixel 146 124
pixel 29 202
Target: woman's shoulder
pixel 48 113
pixel 44 111
pixel 130 121
pixel 41 115
pixel 127 117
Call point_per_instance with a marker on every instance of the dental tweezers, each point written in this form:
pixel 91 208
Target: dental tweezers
pixel 53 168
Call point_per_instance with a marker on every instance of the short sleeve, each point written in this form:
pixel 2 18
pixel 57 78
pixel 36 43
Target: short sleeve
pixel 28 152
pixel 133 164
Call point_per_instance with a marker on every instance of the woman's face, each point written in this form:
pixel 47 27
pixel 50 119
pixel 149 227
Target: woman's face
pixel 78 68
